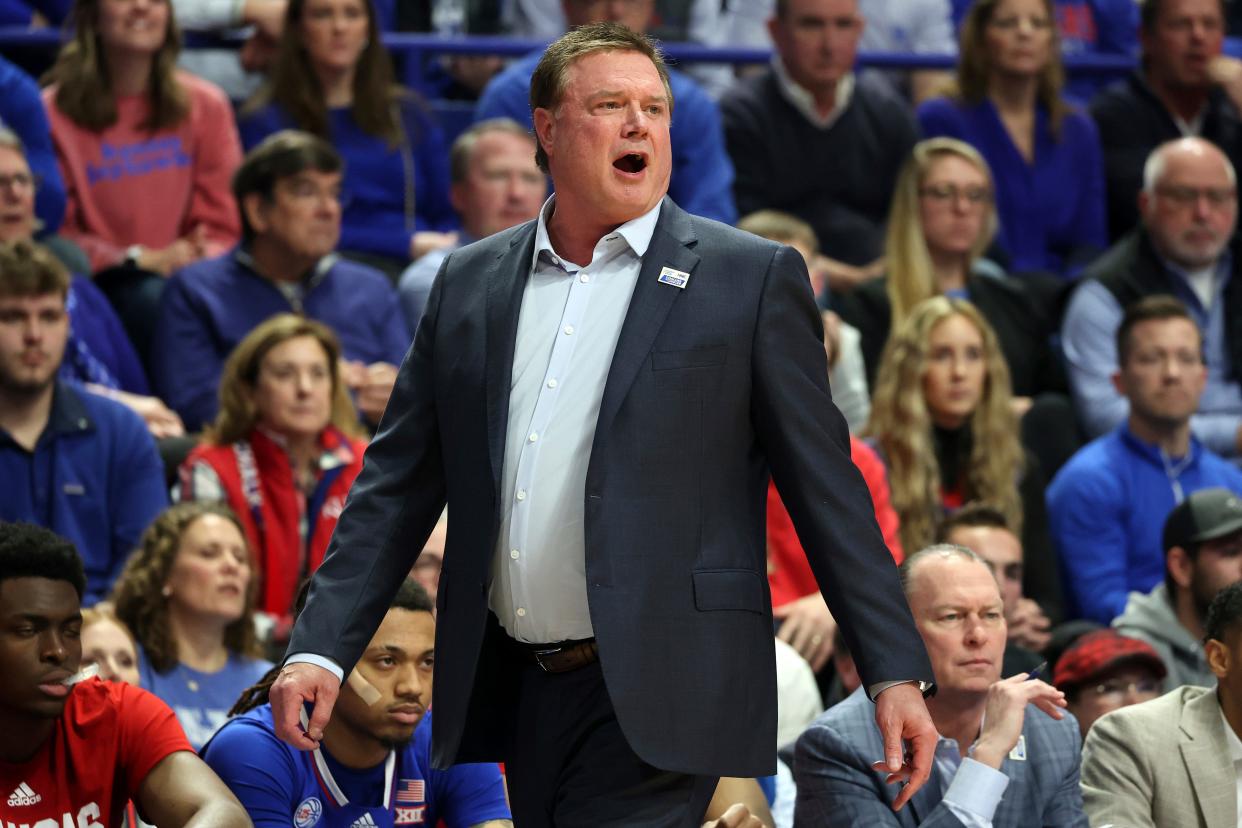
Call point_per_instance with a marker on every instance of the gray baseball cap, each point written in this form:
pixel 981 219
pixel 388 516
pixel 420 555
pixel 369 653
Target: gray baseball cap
pixel 1205 515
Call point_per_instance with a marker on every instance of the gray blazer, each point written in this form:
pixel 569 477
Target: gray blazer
pixel 837 787
pixel 1164 764
pixel 710 388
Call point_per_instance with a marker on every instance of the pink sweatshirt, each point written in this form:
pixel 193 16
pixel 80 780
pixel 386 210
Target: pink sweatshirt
pixel 127 186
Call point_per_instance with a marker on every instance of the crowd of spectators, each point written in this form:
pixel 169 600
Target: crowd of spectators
pixel 1032 325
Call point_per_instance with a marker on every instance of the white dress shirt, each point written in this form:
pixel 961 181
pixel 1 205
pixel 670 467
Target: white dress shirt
pixel 971 790
pixel 568 327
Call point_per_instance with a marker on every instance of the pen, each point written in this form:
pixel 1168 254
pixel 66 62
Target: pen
pixel 1037 672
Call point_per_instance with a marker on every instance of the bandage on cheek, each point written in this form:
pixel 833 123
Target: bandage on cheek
pixel 82 675
pixel 365 690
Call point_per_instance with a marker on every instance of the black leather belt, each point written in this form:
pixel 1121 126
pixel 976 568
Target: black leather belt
pixel 559 658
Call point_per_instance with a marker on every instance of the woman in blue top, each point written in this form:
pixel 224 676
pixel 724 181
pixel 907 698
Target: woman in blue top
pixel 188 594
pixel 333 78
pixel 1044 154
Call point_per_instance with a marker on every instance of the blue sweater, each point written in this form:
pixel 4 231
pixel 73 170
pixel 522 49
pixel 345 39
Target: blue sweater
pixel 210 306
pixel 1052 210
pixel 702 176
pixel 1107 508
pixel 21 110
pixel 375 182
pixel 94 477
pixel 98 349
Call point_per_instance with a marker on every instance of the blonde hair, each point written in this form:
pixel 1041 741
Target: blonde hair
pixel 901 425
pixel 911 276
pixel 974 68
pixel 238 415
pixel 102 613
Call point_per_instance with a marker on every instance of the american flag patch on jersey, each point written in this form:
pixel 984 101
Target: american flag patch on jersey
pixel 410 790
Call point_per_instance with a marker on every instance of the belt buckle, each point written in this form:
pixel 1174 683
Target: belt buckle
pixel 539 654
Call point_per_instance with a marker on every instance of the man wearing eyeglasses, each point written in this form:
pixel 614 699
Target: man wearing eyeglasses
pixel 1203 555
pixel 1182 247
pixel 1175 762
pixel 1105 671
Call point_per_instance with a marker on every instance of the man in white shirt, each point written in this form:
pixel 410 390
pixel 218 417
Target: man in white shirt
pixel 1175 761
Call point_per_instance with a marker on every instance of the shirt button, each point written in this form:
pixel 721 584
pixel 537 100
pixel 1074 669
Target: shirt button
pixel 521 612
pixel 513 553
pixel 552 383
pixel 534 435
pixel 584 278
pixel 521 494
pixel 569 330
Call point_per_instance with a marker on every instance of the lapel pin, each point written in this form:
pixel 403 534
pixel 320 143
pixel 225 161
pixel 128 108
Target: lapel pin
pixel 676 278
pixel 1018 754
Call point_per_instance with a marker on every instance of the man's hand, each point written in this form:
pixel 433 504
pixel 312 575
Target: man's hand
pixel 901 714
pixel 738 816
pixel 377 381
pixel 832 336
pixel 808 627
pixel 1028 626
pixel 425 241
pixel 267 16
pixel 1005 710
pixel 843 277
pixel 1226 72
pixel 298 683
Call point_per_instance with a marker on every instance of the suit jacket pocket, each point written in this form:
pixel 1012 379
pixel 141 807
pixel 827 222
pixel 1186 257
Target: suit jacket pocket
pixel 729 589
pixel 692 358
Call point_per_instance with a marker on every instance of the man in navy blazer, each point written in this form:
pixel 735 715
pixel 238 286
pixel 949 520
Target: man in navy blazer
pixel 1008 753
pixel 603 434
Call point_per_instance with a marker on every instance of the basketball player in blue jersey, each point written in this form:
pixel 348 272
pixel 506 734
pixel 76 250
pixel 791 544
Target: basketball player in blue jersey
pixel 373 768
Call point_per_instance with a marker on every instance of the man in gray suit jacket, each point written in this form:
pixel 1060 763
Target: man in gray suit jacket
pixel 1175 761
pixel 599 396
pixel 1008 753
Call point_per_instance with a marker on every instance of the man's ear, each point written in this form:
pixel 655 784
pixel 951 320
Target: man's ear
pixel 1180 566
pixel 545 124
pixel 1118 383
pixel 1217 657
pixel 1144 200
pixel 457 196
pixel 254 207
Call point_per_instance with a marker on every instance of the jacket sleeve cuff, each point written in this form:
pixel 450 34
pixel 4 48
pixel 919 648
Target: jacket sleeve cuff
pixel 975 791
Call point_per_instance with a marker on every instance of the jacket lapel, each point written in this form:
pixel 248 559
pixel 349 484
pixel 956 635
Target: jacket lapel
pixel 1206 755
pixel 928 797
pixel 671 244
pixel 505 283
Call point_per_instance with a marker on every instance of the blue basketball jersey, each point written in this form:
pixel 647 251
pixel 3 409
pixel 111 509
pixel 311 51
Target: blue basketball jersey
pixel 282 787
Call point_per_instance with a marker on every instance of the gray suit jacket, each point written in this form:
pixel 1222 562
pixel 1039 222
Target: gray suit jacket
pixel 837 787
pixel 710 388
pixel 1164 764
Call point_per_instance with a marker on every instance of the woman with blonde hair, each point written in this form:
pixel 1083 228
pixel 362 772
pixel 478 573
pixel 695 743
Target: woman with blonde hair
pixel 333 78
pixel 282 452
pixel 109 645
pixel 942 220
pixel 188 594
pixel 1044 153
pixel 942 421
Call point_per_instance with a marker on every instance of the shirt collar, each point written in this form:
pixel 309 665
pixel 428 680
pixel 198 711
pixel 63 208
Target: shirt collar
pixel 309 280
pixel 804 101
pixel 1231 738
pixel 636 232
pixel 68 414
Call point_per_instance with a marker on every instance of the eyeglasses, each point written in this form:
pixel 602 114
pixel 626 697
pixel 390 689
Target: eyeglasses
pixel 303 190
pixel 19 182
pixel 1183 197
pixel 1116 688
pixel 951 193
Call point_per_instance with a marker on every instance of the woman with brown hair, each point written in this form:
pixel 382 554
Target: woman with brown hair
pixel 282 451
pixel 146 150
pixel 1044 153
pixel 333 78
pixel 187 594
pixel 942 421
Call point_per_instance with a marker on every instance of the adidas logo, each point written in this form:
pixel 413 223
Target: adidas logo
pixel 364 821
pixel 23 795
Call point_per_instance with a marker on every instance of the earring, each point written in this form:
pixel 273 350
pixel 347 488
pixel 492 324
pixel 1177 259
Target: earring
pixel 166 591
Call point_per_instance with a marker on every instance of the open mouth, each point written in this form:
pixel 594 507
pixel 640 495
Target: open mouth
pixel 631 162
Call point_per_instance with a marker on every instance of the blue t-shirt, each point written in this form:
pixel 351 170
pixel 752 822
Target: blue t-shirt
pixel 201 700
pixel 280 786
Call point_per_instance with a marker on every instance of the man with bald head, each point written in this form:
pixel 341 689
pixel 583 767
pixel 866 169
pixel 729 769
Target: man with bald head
pixel 1183 246
pixel 1007 753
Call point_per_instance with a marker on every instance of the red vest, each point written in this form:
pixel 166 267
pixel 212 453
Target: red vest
pixel 259 486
